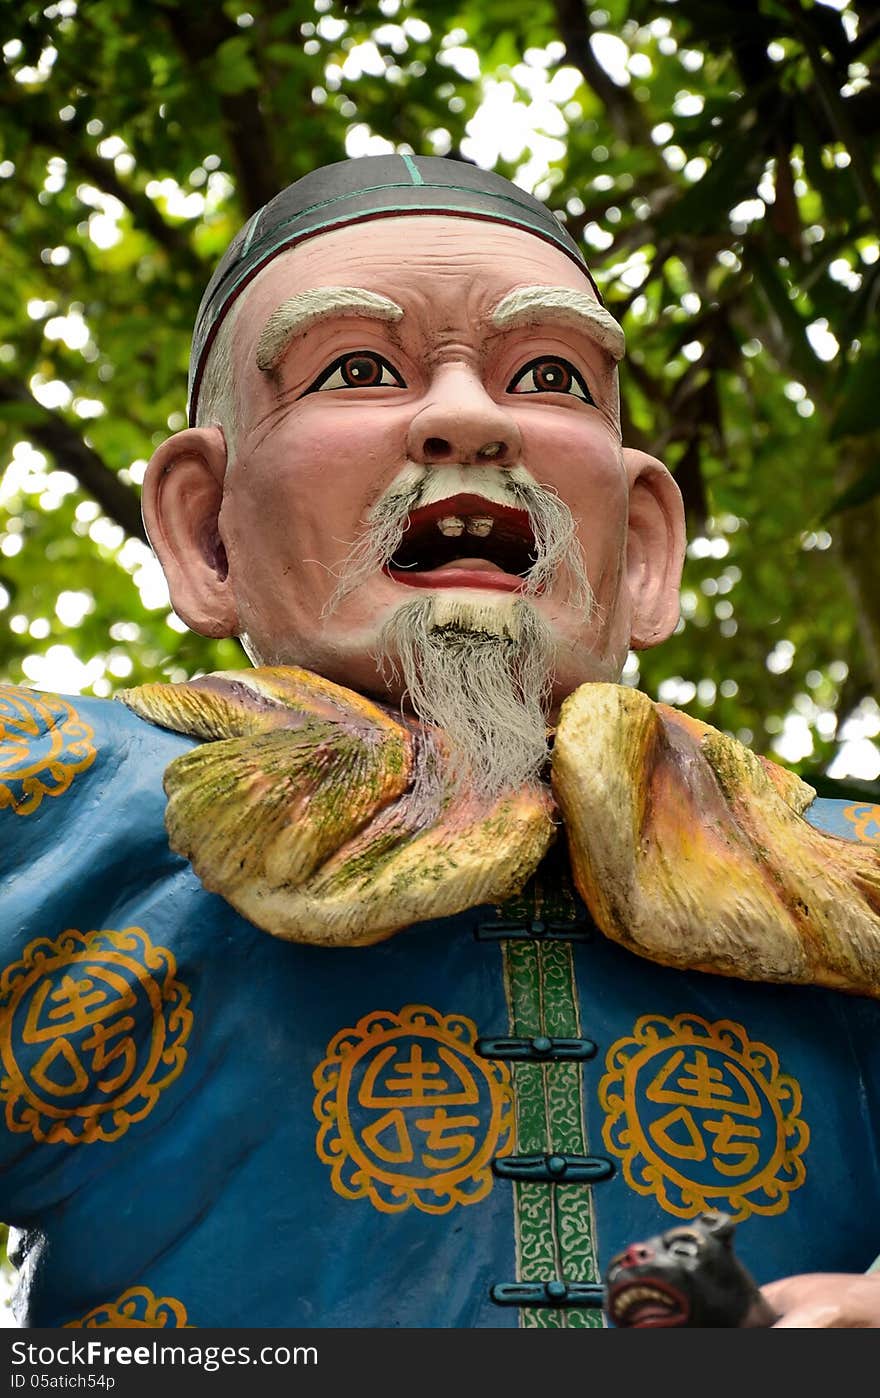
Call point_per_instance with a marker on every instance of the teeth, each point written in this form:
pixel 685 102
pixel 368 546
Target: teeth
pixel 453 525
pixel 635 1295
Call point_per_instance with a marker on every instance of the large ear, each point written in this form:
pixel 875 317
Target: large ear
pixel 183 492
pixel 720 1225
pixel 655 548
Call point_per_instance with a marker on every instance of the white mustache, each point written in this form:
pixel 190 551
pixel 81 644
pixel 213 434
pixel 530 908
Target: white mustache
pixel 422 487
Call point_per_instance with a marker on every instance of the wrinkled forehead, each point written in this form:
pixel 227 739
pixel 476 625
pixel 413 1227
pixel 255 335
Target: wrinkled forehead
pixel 440 279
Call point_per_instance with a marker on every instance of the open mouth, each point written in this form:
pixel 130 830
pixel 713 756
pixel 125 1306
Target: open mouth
pixel 647 1305
pixel 465 541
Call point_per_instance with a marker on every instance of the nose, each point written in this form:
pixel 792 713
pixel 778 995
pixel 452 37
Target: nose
pixel 462 424
pixel 636 1255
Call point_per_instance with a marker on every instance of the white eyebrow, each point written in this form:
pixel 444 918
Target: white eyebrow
pixel 530 305
pixel 299 312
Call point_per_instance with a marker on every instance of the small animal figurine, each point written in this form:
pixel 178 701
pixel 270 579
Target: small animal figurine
pixel 687 1276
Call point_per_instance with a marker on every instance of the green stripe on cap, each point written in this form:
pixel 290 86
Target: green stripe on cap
pixel 413 169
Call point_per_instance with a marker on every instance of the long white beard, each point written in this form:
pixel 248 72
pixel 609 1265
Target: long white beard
pixel 481 673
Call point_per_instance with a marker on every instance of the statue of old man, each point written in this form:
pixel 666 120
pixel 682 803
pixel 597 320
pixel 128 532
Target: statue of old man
pixel 405 977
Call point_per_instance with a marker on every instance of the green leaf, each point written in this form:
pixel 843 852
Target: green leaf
pixel 858 493
pixel 859 400
pixel 232 68
pixel 728 180
pixel 22 414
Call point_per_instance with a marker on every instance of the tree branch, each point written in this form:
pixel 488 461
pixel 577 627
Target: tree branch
pixel 198 36
pixel 828 86
pixel 142 210
pixel 141 207
pixel 55 435
pixel 68 140
pixel 623 110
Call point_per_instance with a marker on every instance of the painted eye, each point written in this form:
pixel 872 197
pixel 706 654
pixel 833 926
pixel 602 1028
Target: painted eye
pixel 684 1246
pixel 361 369
pixel 550 375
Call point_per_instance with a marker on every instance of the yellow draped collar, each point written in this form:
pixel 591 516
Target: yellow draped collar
pixel 301 809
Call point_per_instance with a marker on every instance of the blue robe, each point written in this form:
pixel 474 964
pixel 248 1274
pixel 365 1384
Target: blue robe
pixel 207 1126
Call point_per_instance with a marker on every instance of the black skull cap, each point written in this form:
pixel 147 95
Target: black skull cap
pixel 353 191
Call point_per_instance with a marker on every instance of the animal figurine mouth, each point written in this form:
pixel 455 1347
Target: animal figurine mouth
pixel 646 1305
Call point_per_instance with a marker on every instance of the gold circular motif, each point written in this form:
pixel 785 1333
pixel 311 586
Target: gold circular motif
pixel 702 1117
pixel 410 1115
pixel 135 1309
pixel 866 822
pixel 92 1029
pixel 43 745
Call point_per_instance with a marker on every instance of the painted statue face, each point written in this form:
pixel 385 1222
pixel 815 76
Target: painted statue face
pixel 440 360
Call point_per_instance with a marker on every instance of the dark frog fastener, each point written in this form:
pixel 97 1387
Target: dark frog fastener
pixel 553 1168
pixel 688 1276
pixel 539 1048
pixel 555 1294
pixel 537 929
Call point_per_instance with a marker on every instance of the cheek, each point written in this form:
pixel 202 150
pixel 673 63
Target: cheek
pixel 330 457
pixel 580 459
pixel 298 500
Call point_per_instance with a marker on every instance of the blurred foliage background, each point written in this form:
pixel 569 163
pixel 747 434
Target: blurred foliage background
pixel 718 161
